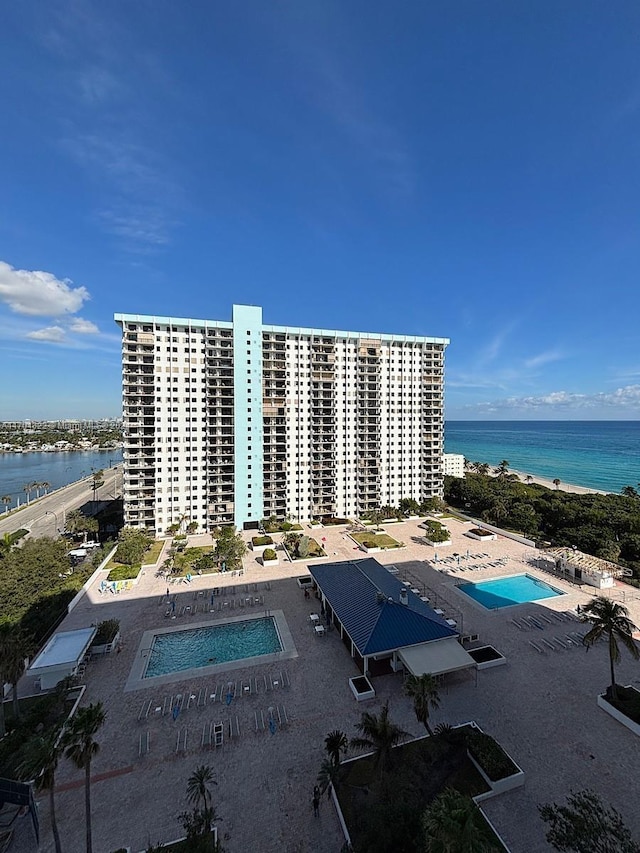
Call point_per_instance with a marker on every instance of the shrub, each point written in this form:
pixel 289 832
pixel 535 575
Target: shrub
pixel 124 573
pixel 106 632
pixel 490 755
pixel 269 554
pixel 262 540
pixel 436 532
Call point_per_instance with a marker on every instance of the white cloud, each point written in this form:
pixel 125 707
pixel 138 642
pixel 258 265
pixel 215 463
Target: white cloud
pixel 39 294
pixel 50 335
pixel 83 327
pixel 627 398
pixel 544 358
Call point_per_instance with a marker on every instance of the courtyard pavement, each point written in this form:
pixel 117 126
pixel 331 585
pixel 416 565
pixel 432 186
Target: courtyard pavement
pixel 540 707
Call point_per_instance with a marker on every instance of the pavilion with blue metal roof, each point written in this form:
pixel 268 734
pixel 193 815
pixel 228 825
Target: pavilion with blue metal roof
pixel 384 624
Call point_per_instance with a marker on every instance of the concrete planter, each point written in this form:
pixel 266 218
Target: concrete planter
pixel 501 786
pixel 618 715
pixel 362 688
pixel 488 664
pixel 105 648
pixel 184 838
pixel 485 537
pixel 275 562
pixel 437 544
pixel 259 549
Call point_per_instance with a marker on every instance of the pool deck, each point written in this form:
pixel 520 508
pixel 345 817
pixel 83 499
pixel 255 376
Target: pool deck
pixel 540 706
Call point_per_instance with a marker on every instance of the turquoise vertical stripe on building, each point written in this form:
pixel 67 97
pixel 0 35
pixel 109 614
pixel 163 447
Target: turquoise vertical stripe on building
pixel 247 406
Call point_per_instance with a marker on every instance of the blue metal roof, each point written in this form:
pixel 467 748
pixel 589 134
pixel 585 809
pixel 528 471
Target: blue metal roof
pixel 375 626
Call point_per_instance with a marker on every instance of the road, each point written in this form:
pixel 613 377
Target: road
pixel 46 515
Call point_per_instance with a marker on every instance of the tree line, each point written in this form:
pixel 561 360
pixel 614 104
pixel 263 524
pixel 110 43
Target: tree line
pixel 604 525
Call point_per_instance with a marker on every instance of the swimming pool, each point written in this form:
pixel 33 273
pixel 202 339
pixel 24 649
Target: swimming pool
pixel 209 645
pixel 505 592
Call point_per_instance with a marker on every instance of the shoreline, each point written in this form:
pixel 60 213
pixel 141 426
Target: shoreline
pixel 571 488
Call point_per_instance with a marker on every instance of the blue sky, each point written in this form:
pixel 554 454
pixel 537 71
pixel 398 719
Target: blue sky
pixel 465 170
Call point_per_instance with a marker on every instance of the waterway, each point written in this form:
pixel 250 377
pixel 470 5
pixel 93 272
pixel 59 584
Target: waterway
pixel 56 469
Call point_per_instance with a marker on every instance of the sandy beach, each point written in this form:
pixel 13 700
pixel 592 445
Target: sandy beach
pixel 564 487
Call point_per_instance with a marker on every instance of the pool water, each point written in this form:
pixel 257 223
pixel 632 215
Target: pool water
pixel 505 592
pixel 198 647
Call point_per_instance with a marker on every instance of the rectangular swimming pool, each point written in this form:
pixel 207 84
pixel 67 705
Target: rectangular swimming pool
pixel 209 645
pixel 505 592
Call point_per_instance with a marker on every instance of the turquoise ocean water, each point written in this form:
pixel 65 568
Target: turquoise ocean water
pixel 596 454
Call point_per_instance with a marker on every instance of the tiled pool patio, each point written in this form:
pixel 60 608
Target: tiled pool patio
pixel 540 706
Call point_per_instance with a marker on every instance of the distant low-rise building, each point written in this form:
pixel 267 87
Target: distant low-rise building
pixel 453 464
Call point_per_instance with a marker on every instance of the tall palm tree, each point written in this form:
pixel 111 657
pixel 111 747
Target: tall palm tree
pixel 27 489
pixel 453 824
pixel 423 689
pixel 610 619
pixel 379 733
pixel 40 762
pixel 81 748
pixel 335 743
pixel 15 646
pixel 46 486
pixel 198 786
pixel 7 501
pixel 483 468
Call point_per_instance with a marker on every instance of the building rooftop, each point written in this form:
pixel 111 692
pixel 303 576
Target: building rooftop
pixel 366 599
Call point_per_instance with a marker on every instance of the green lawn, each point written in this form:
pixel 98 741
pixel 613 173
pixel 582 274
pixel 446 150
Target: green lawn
pixel 375 540
pixel 150 558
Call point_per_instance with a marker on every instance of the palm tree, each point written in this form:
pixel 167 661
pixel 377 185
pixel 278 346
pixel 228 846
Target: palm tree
pixel 80 747
pixel 379 733
pixel 423 689
pixel 557 482
pixel 610 619
pixel 328 776
pixel 483 468
pixel 46 486
pixel 335 743
pixel 502 470
pixel 529 479
pixel 453 824
pixel 6 543
pixel 27 489
pixel 40 762
pixel 198 786
pixel 15 646
pixel 6 500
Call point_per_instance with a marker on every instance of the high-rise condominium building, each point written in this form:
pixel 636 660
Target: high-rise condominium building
pixel 231 422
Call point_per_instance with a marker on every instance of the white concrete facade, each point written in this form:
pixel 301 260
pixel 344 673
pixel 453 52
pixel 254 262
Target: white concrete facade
pixel 230 422
pixel 453 464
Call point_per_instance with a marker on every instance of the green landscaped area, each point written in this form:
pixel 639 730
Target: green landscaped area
pixel 150 557
pixel 194 560
pixel 315 550
pixel 375 540
pixel 383 809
